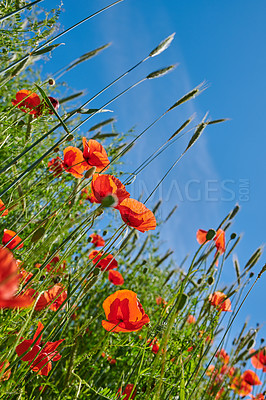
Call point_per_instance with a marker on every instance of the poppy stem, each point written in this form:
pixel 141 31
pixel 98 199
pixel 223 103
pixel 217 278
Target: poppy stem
pixel 28 130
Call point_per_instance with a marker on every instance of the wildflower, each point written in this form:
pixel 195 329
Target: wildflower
pixel 9 281
pixel 28 102
pixel 136 215
pixel 259 360
pixel 94 155
pixel 128 391
pixel 53 297
pixel 97 240
pixel 6 375
pixel 123 312
pixel 107 185
pixel 115 277
pixel 55 165
pixel 160 300
pixel 8 235
pixel 223 356
pixel 240 386
pixel 3 210
pixel 106 263
pixel 73 161
pixel 219 300
pixel 191 319
pixel 219 240
pixel 111 360
pixel 251 377
pixel 154 344
pixel 42 363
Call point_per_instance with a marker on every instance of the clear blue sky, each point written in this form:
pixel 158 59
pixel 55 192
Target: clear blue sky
pixel 222 43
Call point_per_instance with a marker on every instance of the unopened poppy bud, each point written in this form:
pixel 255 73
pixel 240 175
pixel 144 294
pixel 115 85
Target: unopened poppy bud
pixel 89 239
pixel 210 234
pixel 51 82
pixel 251 343
pixel 199 281
pixel 233 236
pixel 56 150
pixel 145 270
pixel 70 137
pixel 109 201
pixel 96 271
pixel 251 274
pixel 210 280
pixel 104 233
pixel 262 340
pixel 90 172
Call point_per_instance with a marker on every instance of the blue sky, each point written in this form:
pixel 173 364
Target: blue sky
pixel 219 43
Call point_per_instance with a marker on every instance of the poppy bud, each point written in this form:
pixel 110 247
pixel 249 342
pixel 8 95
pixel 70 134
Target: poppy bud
pixel 90 172
pixel 210 234
pixel 104 233
pixel 233 236
pixel 70 137
pixel 210 280
pixel 51 82
pixel 199 281
pixel 145 270
pixel 109 201
pixel 251 343
pixel 56 150
pixel 251 274
pixel 261 340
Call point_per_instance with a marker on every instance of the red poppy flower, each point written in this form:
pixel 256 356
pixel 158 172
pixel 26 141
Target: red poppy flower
pixel 8 235
pixel 154 344
pixel 223 356
pixel 115 277
pixel 94 155
pixel 107 185
pixel 160 300
pixel 251 377
pixel 225 370
pixel 3 211
pixel 191 319
pixel 106 263
pixel 55 165
pixel 123 312
pixel 259 396
pixel 259 360
pixel 9 281
pixel 73 161
pixel 42 364
pixel 53 297
pixel 219 300
pixel 219 240
pixel 6 375
pixel 136 215
pixel 28 102
pixel 97 240
pixel 128 391
pixel 240 386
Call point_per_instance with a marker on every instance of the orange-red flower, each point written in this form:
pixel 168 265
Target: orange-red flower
pixel 154 344
pixel 8 235
pixel 223 356
pixel 28 102
pixel 240 386
pixel 115 277
pixel 9 281
pixel 160 300
pixel 251 377
pixel 55 165
pixel 219 240
pixel 107 185
pixel 123 312
pixel 191 319
pixel 259 396
pixel 3 210
pixel 136 215
pixel 106 263
pixel 94 155
pixel 128 391
pixel 6 375
pixel 97 240
pixel 42 363
pixel 73 161
pixel 219 300
pixel 53 297
pixel 259 360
